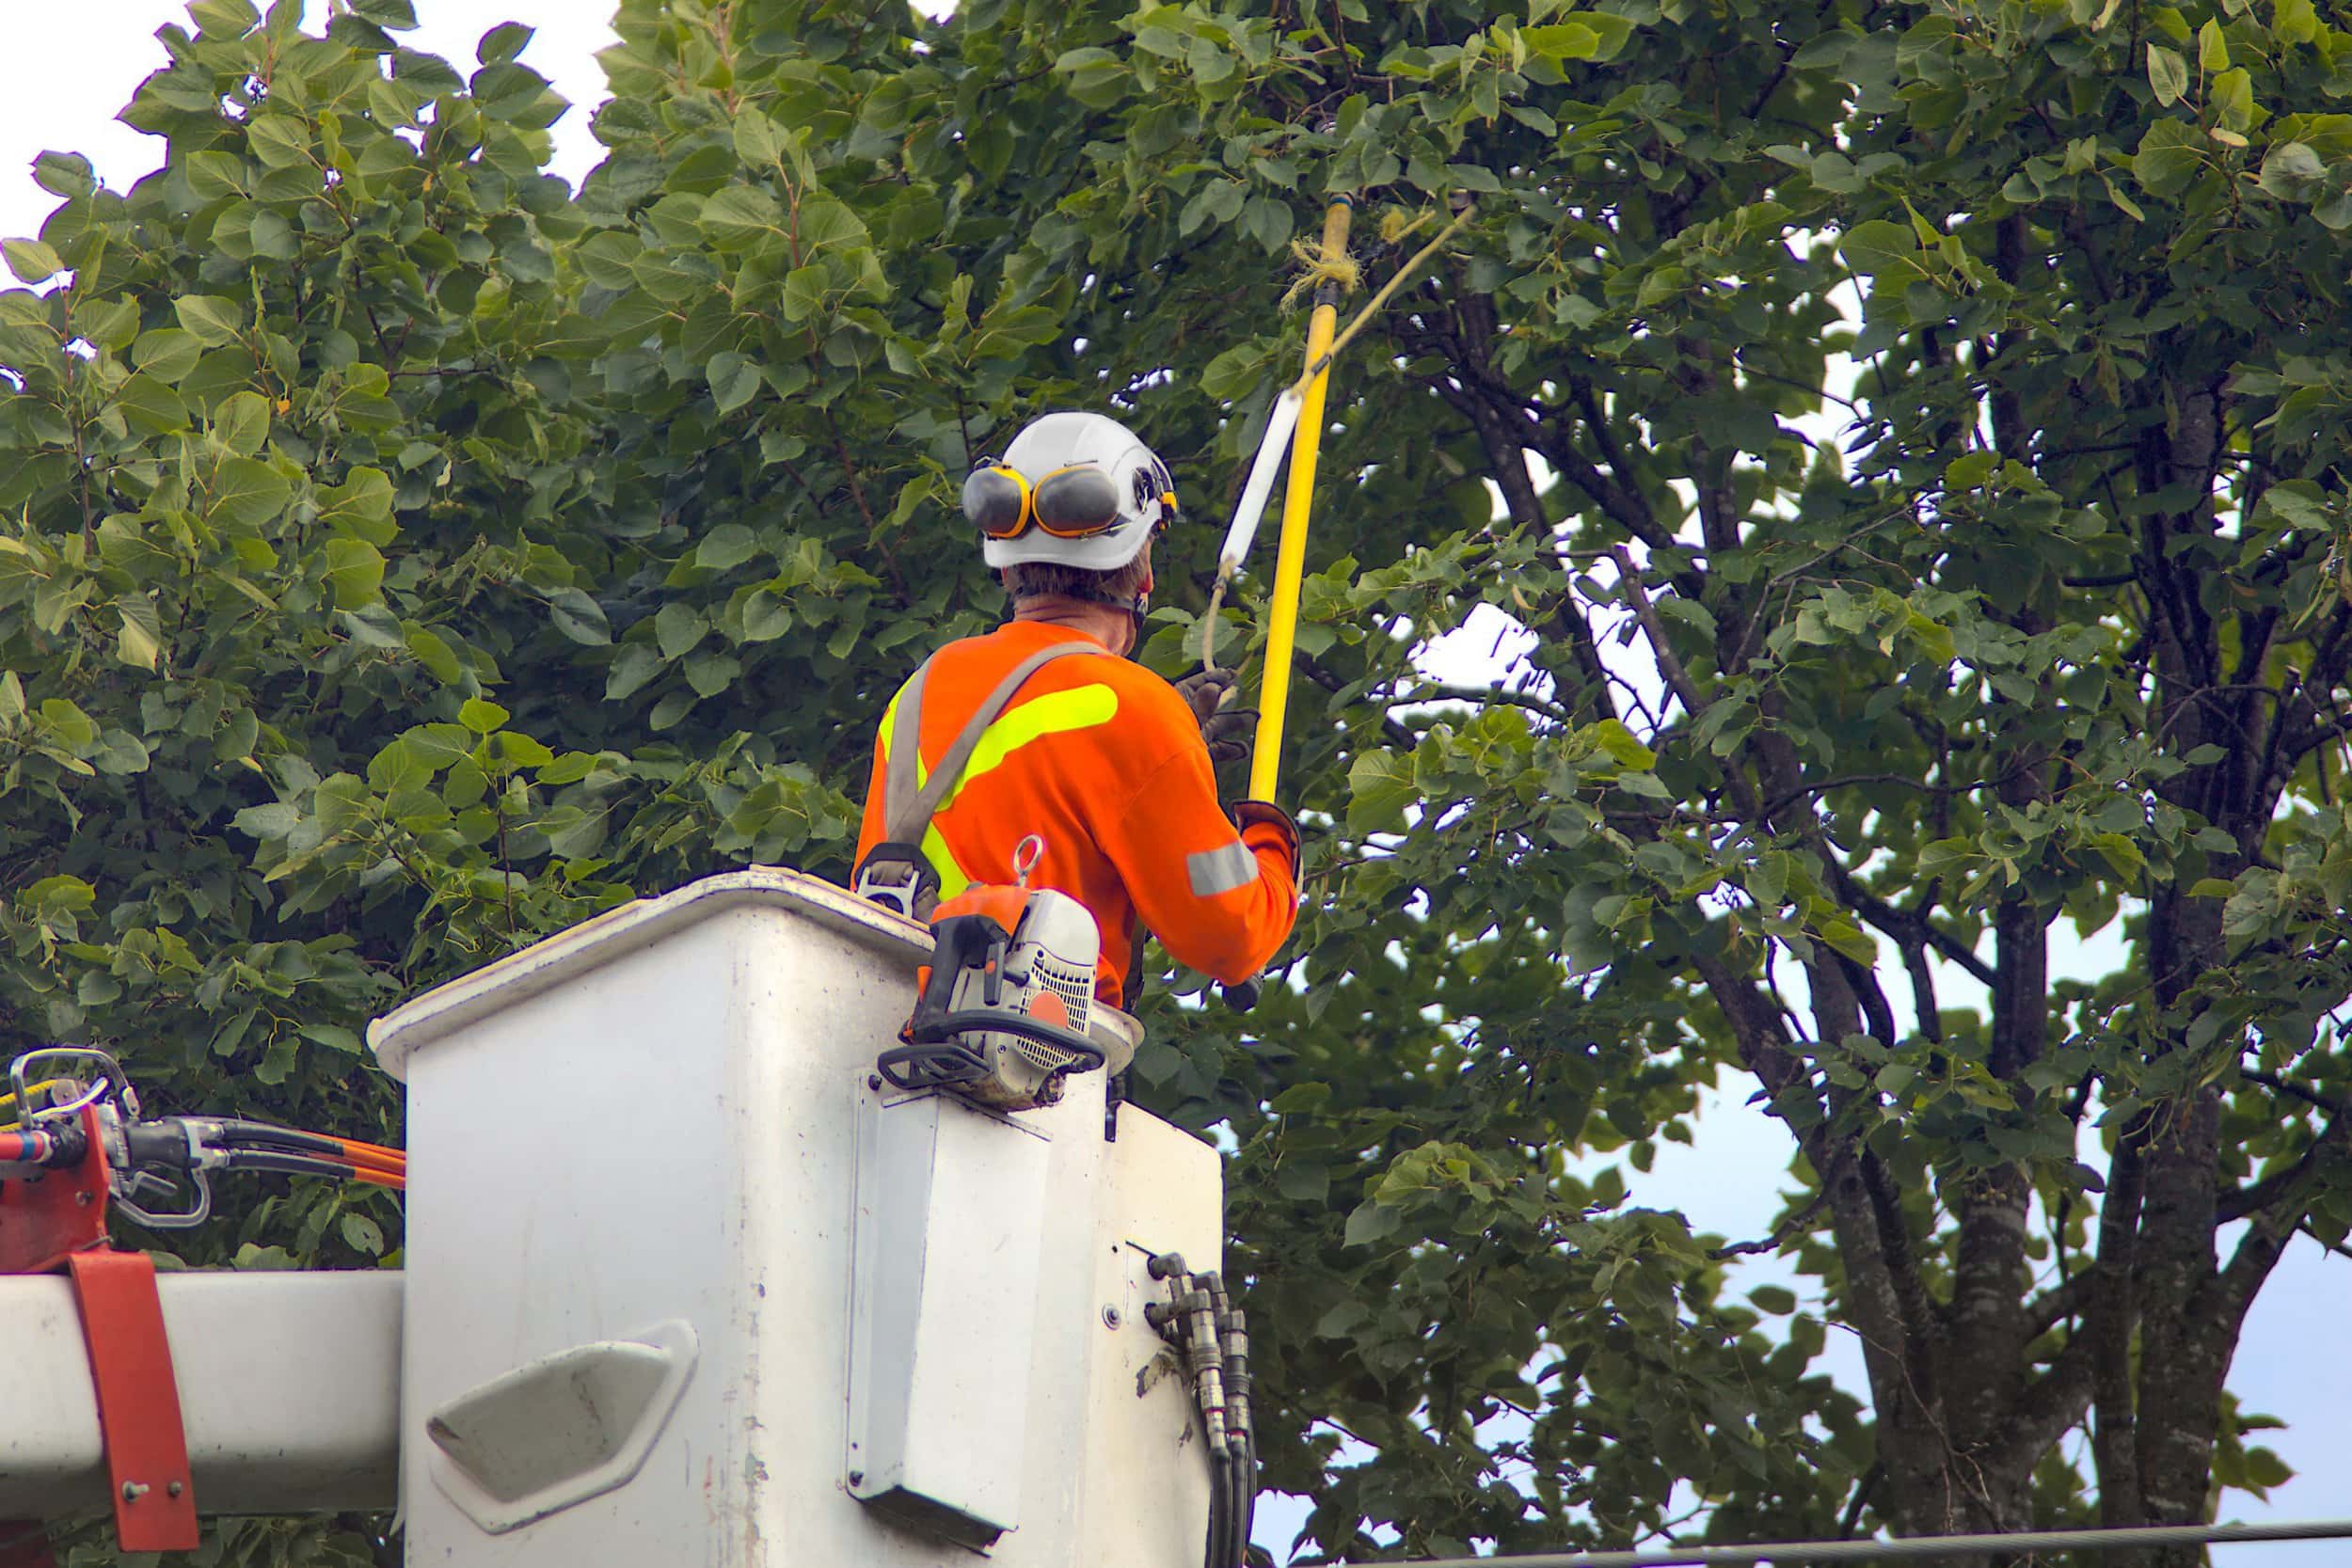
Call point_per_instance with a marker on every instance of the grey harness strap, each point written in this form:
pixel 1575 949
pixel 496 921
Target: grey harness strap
pixel 907 811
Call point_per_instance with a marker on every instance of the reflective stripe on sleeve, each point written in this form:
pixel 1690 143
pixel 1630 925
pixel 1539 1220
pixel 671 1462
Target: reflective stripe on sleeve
pixel 1221 870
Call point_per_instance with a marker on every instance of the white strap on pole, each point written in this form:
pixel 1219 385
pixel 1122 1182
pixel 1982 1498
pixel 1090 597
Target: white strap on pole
pixel 1281 421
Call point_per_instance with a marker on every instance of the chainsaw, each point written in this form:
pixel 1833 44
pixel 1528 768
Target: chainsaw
pixel 1001 1010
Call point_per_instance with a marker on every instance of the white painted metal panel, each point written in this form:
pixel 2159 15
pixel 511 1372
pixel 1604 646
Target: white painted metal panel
pixel 652 1117
pixel 1163 1192
pixel 944 1301
pixel 289 1389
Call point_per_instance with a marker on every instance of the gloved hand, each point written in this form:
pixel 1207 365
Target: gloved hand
pixel 1226 731
pixel 1257 819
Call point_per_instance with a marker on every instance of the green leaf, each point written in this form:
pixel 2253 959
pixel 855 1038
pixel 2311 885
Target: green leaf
pixel 434 653
pixel 1380 785
pixel 360 1233
pixel 168 354
pixel 482 715
pixel 398 16
pixel 579 617
pixel 212 321
pixel 1621 744
pixel 240 424
pixel 1881 248
pixel 279 141
pixel 803 292
pixel 2167 161
pixel 678 628
pixel 2292 171
pixel 2168 74
pixel 638 663
pixel 1563 40
pixel 247 492
pixel 516 94
pixel 224 19
pixel 362 506
pixel 138 638
pixel 150 405
pixel 733 380
pixel 2212 50
pixel 727 546
pixel 61 894
pixel 68 176
pixel 502 43
pixel 1367 1223
pixel 1776 1299
pixel 355 572
pixel 31 260
pixel 333 1036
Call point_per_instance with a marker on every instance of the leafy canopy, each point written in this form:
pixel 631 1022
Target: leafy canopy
pixel 403 556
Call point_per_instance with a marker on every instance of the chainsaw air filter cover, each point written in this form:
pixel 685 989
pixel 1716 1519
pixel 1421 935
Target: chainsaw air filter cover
pixel 1046 975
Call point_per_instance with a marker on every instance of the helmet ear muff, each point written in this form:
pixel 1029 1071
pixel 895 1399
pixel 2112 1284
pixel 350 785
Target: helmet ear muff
pixel 997 499
pixel 1076 502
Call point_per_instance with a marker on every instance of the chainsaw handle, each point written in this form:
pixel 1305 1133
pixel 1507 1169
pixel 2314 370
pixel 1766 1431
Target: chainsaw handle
pixel 934 1031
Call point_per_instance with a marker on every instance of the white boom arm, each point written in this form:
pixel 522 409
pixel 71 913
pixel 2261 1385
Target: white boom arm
pixel 289 1387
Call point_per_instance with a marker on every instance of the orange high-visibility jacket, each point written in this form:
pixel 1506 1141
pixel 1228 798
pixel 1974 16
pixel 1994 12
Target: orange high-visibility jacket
pixel 1101 759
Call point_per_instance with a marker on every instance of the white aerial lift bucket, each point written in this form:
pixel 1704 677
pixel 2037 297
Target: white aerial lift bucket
pixel 687 1283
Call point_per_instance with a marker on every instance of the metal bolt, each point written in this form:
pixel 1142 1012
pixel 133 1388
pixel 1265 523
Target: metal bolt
pixel 873 1081
pixel 1111 1317
pixel 83 1199
pixel 858 1478
pixel 133 1491
pixel 175 1489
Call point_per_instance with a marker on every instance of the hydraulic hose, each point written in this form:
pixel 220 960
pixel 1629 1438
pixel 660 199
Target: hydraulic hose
pixel 39 1149
pixel 187 1143
pixel 303 1165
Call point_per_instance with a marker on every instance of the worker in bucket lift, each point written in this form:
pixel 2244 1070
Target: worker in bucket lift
pixel 1017 732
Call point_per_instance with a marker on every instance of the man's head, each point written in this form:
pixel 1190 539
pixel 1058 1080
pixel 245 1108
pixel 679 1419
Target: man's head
pixel 1070 511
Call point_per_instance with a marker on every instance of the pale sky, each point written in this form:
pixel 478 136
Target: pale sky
pixel 65 69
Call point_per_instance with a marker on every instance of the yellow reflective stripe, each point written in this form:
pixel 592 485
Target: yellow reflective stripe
pixel 1082 707
pixel 952 878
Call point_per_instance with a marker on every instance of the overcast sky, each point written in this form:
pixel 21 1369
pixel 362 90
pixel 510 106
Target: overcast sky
pixel 65 69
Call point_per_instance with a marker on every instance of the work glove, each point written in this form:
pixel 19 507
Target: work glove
pixel 1225 731
pixel 1261 820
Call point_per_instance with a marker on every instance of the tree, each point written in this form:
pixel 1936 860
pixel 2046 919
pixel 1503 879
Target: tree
pixel 406 556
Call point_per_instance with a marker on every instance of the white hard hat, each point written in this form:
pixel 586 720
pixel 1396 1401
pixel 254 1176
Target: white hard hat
pixel 1140 495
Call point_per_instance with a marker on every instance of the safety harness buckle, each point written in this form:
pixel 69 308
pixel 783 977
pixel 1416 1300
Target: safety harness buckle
pixel 899 876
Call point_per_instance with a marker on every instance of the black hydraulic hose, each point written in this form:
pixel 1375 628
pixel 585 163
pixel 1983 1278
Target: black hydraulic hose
pixel 284 1165
pixel 1249 1492
pixel 304 1165
pixel 1220 1512
pixel 261 1135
